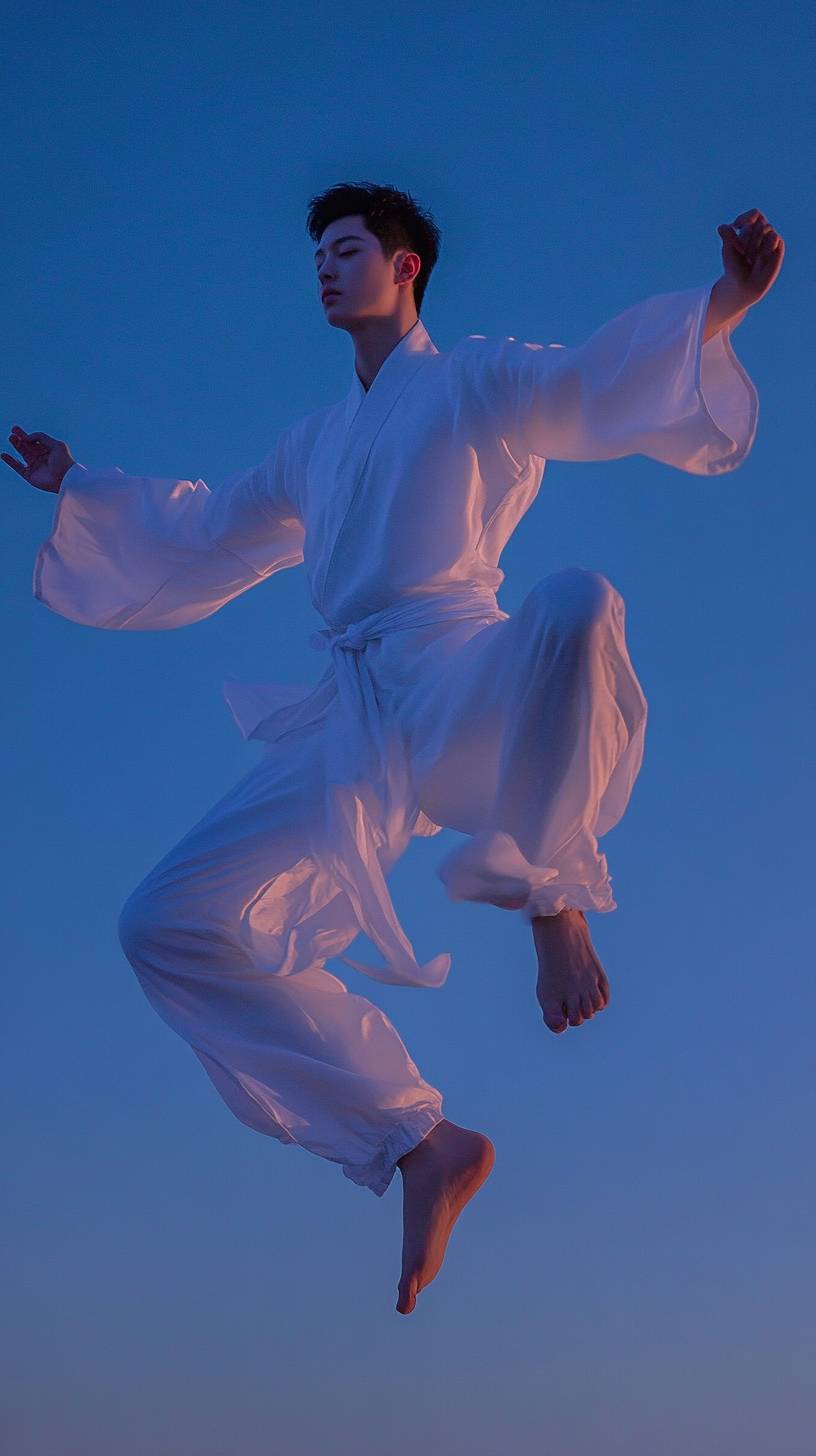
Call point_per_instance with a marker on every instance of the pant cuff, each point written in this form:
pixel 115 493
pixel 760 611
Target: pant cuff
pixel 377 1173
pixel 552 899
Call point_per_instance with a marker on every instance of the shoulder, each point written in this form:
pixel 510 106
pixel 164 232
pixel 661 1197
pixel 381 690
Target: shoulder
pixel 480 351
pixel 492 370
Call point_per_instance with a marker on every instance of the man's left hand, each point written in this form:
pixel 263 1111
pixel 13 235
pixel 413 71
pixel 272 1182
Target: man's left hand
pixel 752 256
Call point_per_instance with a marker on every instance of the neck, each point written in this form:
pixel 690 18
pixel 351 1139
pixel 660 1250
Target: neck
pixel 374 339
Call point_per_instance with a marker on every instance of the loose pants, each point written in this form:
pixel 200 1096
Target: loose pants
pixel 533 726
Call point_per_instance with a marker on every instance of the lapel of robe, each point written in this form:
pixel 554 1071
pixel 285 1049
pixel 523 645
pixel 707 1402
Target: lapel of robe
pixel 363 415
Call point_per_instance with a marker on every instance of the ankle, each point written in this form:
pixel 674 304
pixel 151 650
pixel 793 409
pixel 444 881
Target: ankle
pixel 420 1151
pixel 569 916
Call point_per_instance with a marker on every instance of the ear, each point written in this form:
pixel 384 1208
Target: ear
pixel 407 267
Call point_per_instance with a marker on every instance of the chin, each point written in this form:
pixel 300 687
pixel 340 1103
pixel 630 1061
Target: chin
pixel 339 320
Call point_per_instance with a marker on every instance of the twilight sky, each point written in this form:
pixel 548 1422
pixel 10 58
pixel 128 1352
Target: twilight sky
pixel 635 1276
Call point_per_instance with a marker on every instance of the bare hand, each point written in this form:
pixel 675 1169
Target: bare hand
pixel 46 459
pixel 752 256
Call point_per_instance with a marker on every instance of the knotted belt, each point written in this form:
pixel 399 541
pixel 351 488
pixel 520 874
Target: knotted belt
pixel 370 807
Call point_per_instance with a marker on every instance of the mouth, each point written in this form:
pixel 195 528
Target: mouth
pixel 330 293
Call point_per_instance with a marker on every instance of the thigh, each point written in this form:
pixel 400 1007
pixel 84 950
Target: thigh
pixel 455 721
pixel 461 722
pixel 253 871
pixel 277 804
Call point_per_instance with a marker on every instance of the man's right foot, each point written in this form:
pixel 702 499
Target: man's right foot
pixel 572 983
pixel 439 1176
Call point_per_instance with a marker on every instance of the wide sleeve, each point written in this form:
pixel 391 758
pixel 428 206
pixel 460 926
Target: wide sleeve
pixel 642 384
pixel 142 552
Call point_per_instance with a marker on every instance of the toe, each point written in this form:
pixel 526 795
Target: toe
pixel 407 1295
pixel 587 1007
pixel 555 1015
pixel 556 1021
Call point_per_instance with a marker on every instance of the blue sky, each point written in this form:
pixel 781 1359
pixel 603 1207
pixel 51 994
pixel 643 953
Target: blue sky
pixel 635 1275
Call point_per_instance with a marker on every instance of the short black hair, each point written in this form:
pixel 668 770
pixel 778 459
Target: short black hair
pixel 392 216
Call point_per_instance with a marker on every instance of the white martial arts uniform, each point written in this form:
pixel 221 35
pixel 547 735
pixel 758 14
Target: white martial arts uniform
pixel 436 708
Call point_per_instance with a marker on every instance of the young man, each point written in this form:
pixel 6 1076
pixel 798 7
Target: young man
pixel 437 708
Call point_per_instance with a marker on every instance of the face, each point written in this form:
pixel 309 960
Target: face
pixel 364 283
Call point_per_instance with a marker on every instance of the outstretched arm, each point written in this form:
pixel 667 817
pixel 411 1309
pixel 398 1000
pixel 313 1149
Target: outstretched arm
pixel 142 552
pixel 660 379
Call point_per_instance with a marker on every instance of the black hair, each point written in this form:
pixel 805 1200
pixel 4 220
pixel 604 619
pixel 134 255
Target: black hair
pixel 394 217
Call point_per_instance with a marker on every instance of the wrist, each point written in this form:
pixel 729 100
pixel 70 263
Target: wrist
pixel 727 305
pixel 732 294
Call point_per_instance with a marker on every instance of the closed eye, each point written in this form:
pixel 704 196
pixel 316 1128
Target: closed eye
pixel 348 254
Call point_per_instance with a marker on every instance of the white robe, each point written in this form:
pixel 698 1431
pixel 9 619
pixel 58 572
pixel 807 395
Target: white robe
pixel 399 501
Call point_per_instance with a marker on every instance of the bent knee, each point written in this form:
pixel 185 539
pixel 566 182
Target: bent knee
pixel 575 601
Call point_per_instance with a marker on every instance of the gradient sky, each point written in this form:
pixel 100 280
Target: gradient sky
pixel 636 1276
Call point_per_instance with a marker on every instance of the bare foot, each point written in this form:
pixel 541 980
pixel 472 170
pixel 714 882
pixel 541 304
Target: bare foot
pixel 572 983
pixel 439 1176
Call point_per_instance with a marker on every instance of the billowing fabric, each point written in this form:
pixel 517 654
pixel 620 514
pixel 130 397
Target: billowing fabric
pixel 436 708
pixel 399 501
pixel 228 935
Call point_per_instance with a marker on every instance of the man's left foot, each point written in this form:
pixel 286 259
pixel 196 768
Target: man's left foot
pixel 572 983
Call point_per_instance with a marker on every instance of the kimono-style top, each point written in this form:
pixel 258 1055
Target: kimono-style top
pixel 399 501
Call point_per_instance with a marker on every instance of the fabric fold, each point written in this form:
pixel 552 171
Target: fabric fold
pixel 407 493
pixel 371 811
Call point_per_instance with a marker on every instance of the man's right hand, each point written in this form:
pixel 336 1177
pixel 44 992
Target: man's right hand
pixel 46 459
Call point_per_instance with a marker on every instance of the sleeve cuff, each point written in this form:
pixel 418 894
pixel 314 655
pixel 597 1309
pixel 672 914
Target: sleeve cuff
pixel 728 396
pixel 73 476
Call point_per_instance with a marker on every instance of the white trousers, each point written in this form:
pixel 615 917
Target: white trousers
pixel 543 739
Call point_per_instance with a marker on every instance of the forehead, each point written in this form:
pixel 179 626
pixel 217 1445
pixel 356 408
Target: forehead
pixel 342 227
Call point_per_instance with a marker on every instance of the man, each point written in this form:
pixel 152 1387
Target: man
pixel 437 709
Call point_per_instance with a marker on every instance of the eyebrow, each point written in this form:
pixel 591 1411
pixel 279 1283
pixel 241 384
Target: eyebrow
pixel 349 238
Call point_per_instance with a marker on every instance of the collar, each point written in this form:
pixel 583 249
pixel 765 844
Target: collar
pixel 416 341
